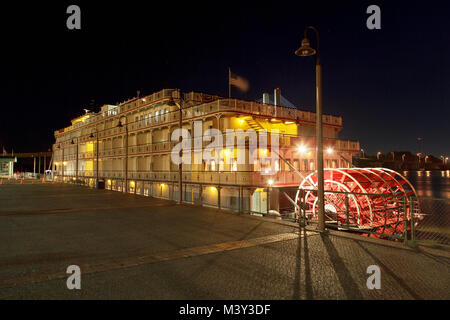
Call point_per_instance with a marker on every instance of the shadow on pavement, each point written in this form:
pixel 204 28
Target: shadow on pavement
pixel 302 250
pixel 348 284
pixel 401 282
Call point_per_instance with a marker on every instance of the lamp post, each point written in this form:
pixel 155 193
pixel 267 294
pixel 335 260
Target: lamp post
pixel 62 162
pixel 269 191
pixel 304 51
pixel 96 151
pixel 180 165
pixel 120 125
pixel 76 166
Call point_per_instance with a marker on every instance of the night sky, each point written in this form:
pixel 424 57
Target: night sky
pixel 390 85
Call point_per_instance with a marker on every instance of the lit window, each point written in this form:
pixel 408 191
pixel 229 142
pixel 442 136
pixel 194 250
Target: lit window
pixel 288 168
pixel 256 165
pixel 234 165
pixel 213 165
pixel 305 164
pixel 166 115
pixel 267 166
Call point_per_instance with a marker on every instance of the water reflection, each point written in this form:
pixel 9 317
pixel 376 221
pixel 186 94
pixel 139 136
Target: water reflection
pixel 435 184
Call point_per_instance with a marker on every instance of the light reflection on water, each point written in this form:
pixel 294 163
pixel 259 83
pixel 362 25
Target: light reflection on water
pixel 433 184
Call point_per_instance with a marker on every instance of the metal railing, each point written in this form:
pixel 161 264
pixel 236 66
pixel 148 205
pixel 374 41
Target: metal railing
pixel 384 215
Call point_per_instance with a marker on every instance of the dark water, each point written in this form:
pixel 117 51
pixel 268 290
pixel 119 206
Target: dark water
pixel 431 184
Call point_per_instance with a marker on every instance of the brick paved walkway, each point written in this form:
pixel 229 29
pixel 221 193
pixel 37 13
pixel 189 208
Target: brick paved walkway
pixel 133 247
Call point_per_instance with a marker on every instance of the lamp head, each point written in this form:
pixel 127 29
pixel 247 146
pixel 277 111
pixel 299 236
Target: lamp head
pixel 172 103
pixel 305 50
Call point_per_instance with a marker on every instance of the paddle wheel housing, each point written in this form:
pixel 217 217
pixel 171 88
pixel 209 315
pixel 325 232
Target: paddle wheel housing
pixel 375 199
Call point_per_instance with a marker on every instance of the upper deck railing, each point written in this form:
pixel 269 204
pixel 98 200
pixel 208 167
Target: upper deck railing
pixel 259 109
pixel 124 107
pixel 203 108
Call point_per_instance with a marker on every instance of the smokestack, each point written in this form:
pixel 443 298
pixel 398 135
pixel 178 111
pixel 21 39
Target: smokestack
pixel 276 99
pixel 277 96
pixel 266 98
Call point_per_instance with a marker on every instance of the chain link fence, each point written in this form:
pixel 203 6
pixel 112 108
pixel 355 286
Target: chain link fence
pixel 432 225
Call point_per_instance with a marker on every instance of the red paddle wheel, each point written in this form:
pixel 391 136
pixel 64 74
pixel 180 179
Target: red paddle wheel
pixel 375 199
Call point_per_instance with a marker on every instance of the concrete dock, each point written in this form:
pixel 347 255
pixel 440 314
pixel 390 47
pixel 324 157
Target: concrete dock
pixel 136 247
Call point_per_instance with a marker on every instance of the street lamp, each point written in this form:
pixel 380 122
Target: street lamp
pixel 363 155
pixel 180 165
pixel 76 167
pixel 120 125
pixel 304 51
pixel 96 151
pixel 62 161
pixel 378 155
